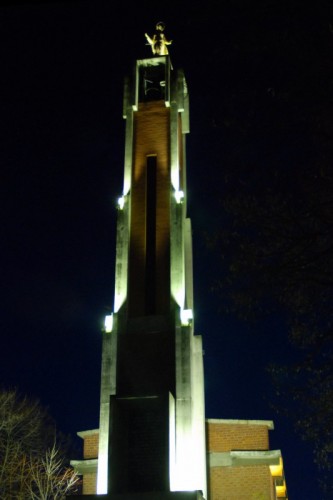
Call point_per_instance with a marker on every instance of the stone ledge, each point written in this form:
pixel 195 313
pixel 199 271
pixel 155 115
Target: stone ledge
pixel 266 423
pixel 238 458
pixel 84 466
pixel 84 434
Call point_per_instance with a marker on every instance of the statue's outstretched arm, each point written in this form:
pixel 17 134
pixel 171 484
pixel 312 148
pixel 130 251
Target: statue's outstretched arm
pixel 149 39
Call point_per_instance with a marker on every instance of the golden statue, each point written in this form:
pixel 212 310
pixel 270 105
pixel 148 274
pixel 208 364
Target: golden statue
pixel 158 42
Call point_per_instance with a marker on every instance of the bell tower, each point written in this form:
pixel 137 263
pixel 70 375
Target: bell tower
pixel 152 422
pixel 151 443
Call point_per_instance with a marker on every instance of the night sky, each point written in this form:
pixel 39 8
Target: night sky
pixel 61 155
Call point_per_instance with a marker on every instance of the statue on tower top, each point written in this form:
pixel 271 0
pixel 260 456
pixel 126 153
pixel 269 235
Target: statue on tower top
pixel 158 42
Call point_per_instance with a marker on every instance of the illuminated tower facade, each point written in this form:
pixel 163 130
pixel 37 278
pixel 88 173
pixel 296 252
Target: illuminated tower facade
pixel 151 443
pixel 152 422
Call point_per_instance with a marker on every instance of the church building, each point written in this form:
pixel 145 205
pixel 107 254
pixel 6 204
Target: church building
pixel 154 440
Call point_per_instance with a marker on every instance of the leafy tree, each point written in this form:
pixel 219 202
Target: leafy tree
pixel 31 464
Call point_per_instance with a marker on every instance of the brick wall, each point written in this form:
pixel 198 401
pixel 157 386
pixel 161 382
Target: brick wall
pixel 223 437
pixel 224 483
pixel 151 137
pixel 235 482
pixel 90 451
pixel 240 483
pixel 90 446
pixel 89 483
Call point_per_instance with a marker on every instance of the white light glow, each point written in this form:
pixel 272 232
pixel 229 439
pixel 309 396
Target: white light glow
pixel 119 299
pixel 120 291
pixel 121 202
pixel 186 316
pixel 184 471
pixel 177 271
pixel 172 443
pixel 102 479
pixel 179 195
pixel 175 176
pixel 108 324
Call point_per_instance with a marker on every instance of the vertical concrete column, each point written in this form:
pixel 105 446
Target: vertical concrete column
pixel 184 449
pixel 108 388
pixel 128 161
pixel 198 415
pixel 122 249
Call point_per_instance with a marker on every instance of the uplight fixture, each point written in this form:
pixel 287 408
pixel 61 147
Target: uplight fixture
pixel 108 323
pixel 186 317
pixel 121 202
pixel 179 195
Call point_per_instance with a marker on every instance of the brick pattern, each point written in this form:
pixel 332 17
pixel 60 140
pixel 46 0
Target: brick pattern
pixel 90 446
pixel 224 483
pixel 89 483
pixel 151 137
pixel 222 437
pixel 251 482
pixel 241 483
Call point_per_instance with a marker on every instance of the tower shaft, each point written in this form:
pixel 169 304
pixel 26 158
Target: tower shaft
pixel 152 408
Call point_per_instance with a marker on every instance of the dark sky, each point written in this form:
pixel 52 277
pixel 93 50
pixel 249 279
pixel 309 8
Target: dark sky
pixel 61 154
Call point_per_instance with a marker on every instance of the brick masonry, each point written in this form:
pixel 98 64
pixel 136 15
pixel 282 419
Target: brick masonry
pixel 151 128
pixel 250 482
pixel 240 483
pixel 89 483
pixel 90 446
pixel 222 437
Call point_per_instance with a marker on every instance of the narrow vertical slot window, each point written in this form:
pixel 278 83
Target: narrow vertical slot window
pixel 150 279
